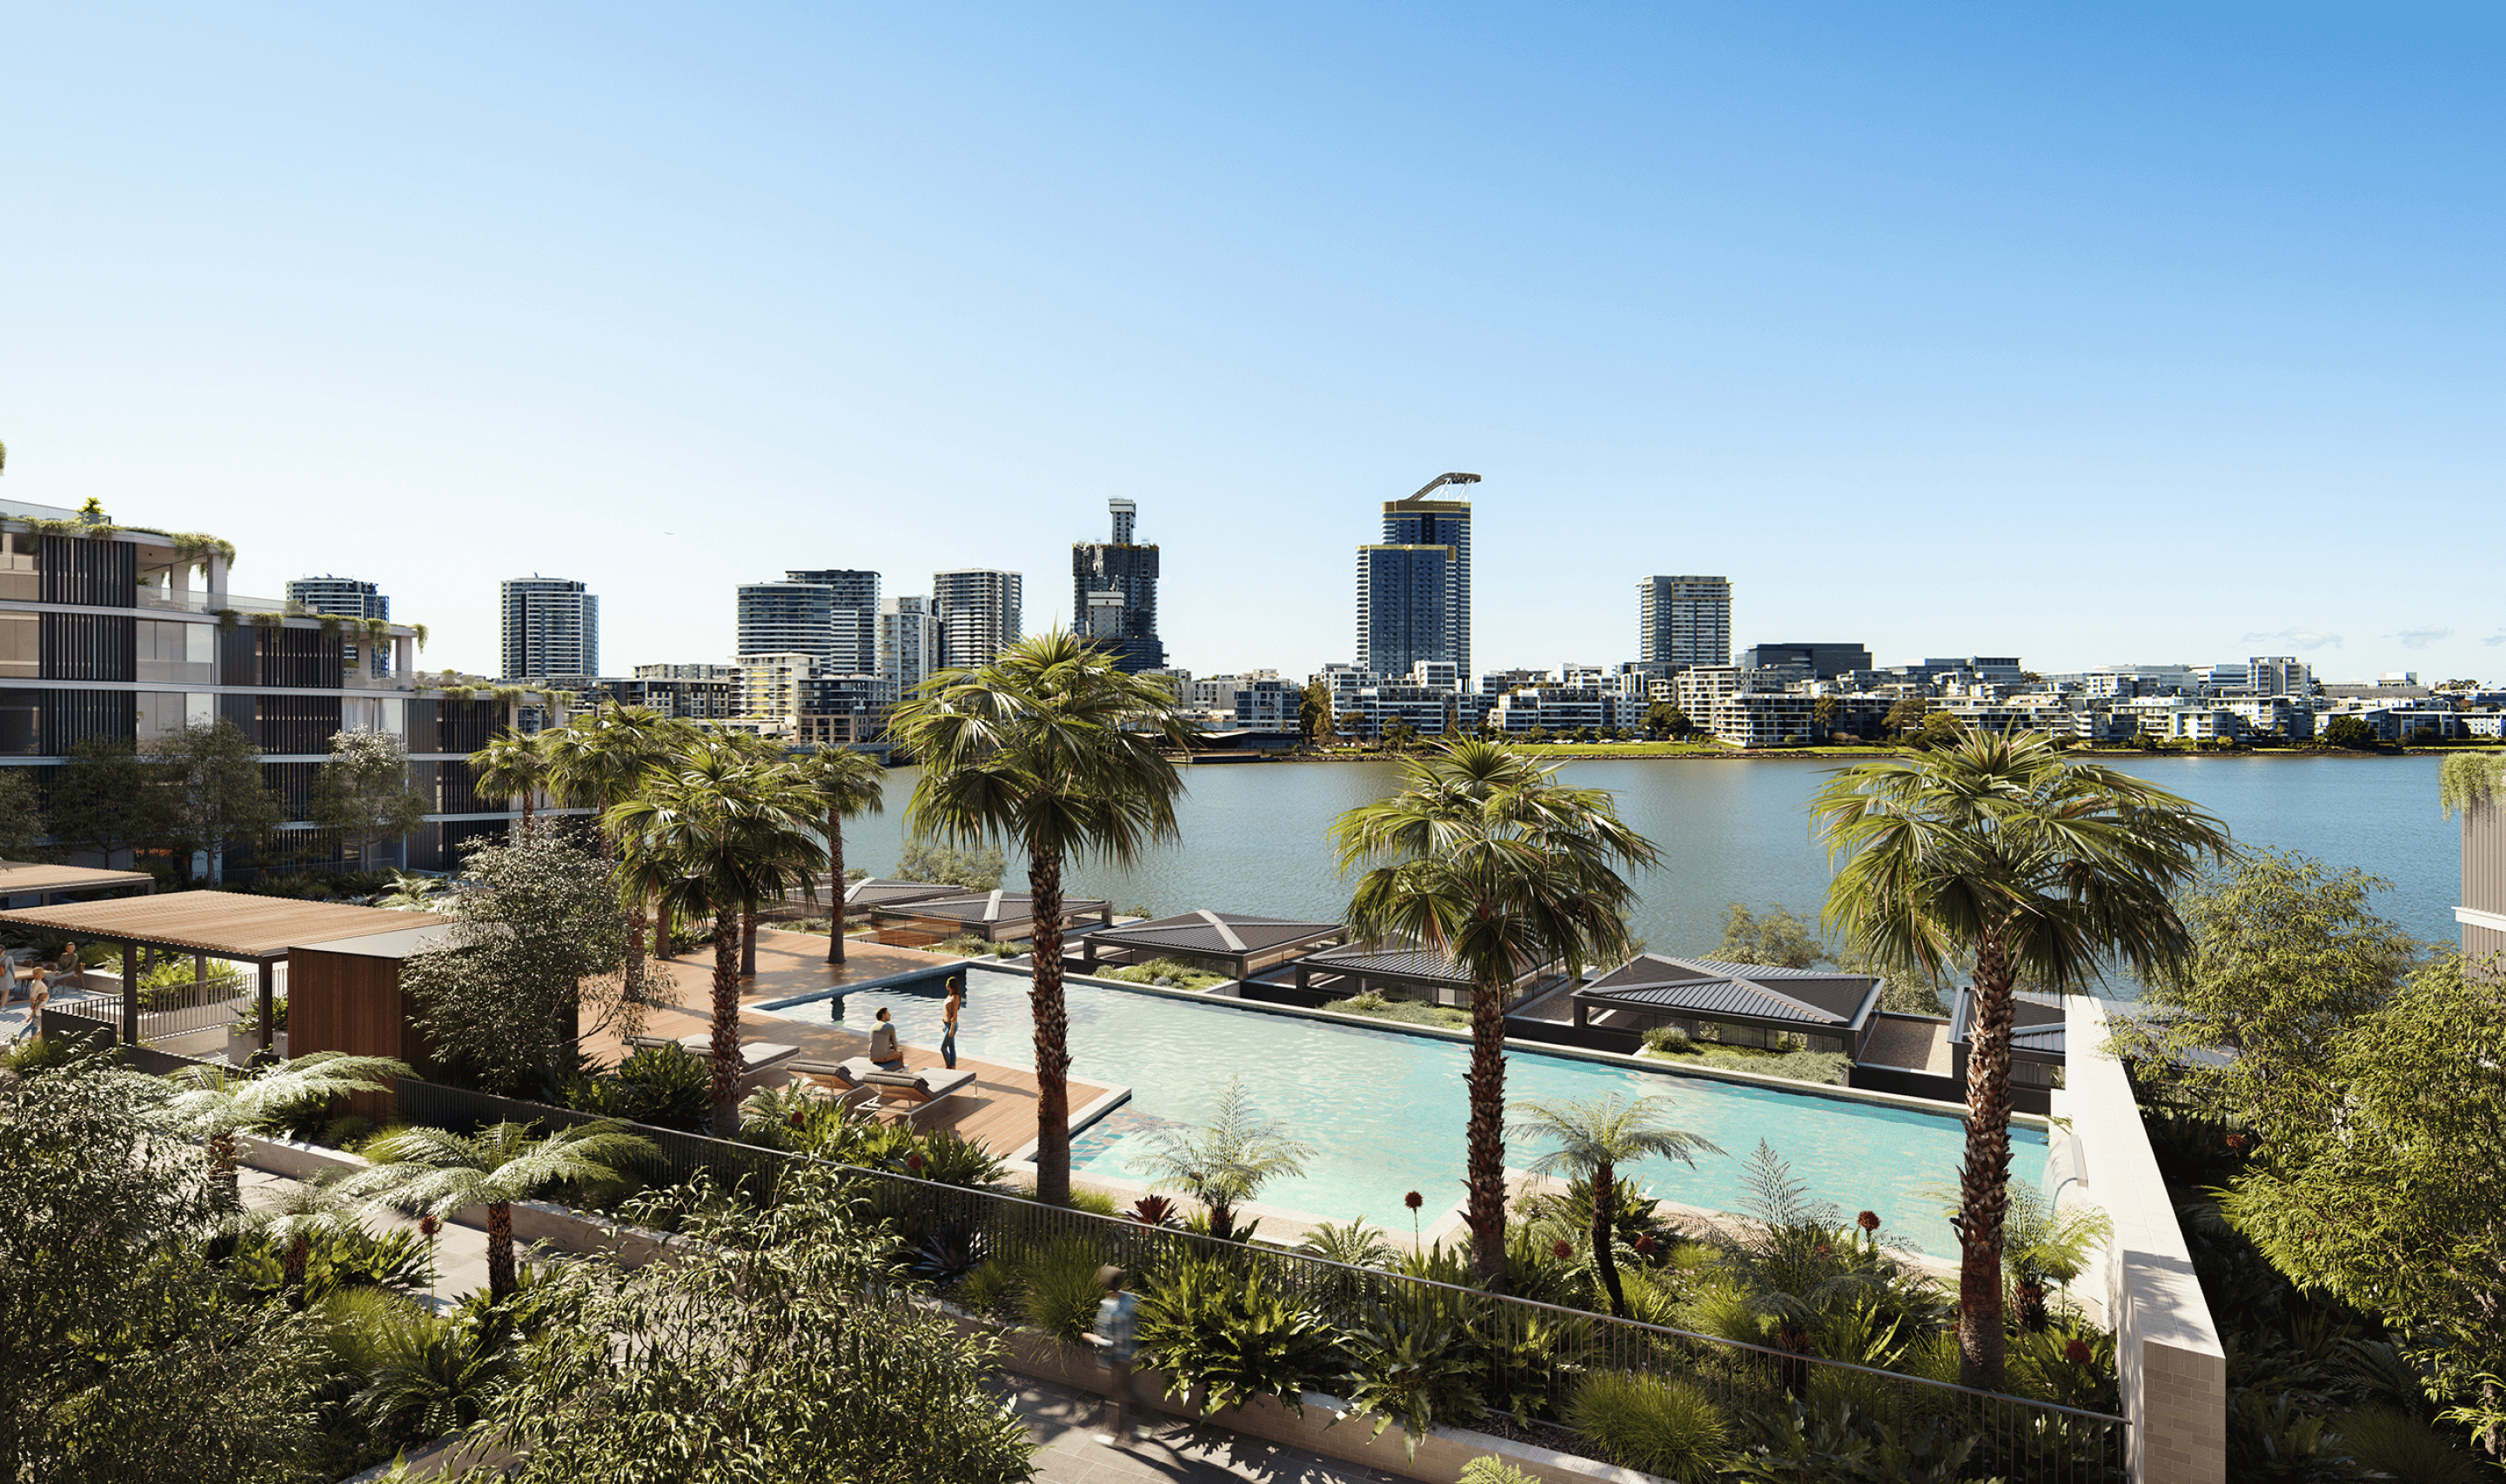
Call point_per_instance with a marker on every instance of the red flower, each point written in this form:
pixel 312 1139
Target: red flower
pixel 1824 1251
pixel 797 1120
pixel 428 1226
pixel 1561 1248
pixel 2077 1352
pixel 914 1163
pixel 1644 1244
pixel 2236 1140
pixel 1868 1220
pixel 1414 1200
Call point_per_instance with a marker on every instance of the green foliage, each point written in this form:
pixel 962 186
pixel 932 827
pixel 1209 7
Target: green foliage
pixel 1669 1040
pixel 103 799
pixel 1057 1290
pixel 664 1085
pixel 1166 971
pixel 1488 1468
pixel 1414 1363
pixel 363 791
pixel 340 1259
pixel 1778 939
pixel 418 1376
pixel 211 787
pixel 2350 734
pixel 1228 1161
pixel 23 822
pixel 2393 1443
pixel 1356 1244
pixel 1403 1012
pixel 1838 1443
pixel 2467 781
pixel 977 869
pixel 1224 1327
pixel 1666 1428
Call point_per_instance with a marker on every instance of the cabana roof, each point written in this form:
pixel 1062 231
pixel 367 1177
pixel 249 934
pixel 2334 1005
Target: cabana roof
pixel 225 925
pixel 2037 1022
pixel 878 893
pixel 990 908
pixel 1397 961
pixel 1810 999
pixel 1213 935
pixel 22 878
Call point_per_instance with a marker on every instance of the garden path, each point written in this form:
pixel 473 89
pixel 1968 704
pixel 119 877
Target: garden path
pixel 460 1251
pixel 1175 1452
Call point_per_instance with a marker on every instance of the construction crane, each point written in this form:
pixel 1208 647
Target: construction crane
pixel 1439 481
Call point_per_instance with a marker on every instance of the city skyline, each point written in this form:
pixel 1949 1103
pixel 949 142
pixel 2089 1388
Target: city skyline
pixel 2028 321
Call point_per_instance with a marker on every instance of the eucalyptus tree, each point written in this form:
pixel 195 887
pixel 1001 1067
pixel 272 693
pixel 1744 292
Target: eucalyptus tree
pixel 435 1172
pixel 362 790
pixel 1485 855
pixel 846 783
pixel 213 791
pixel 714 835
pixel 1996 850
pixel 1594 1138
pixel 1051 748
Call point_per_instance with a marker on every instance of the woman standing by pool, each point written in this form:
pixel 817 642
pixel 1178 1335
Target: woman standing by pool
pixel 949 1020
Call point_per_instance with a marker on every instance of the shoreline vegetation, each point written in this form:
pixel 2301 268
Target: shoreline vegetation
pixel 1569 752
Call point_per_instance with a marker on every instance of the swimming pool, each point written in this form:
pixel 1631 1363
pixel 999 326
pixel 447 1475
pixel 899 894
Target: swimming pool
pixel 1386 1111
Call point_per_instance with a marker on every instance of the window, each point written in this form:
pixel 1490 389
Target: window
pixel 20 576
pixel 169 650
pixel 21 645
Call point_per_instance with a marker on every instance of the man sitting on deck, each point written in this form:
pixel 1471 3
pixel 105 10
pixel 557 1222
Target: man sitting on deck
pixel 882 1042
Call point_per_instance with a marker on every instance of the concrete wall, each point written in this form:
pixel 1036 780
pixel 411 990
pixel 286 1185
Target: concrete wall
pixel 2174 1369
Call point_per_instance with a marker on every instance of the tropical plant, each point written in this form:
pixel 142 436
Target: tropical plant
pixel 1226 1331
pixel 435 1172
pixel 2000 850
pixel 1485 857
pixel 1593 1138
pixel 513 765
pixel 215 1103
pixel 1228 1161
pixel 421 1376
pixel 661 1085
pixel 1414 1363
pixel 846 783
pixel 597 762
pixel 718 833
pixel 362 790
pixel 210 773
pixel 1661 1427
pixel 1356 1245
pixel 976 871
pixel 1051 747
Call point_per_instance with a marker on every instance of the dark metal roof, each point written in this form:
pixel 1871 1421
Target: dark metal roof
pixel 2038 1017
pixel 877 893
pixel 1213 933
pixel 1395 961
pixel 1757 991
pixel 991 908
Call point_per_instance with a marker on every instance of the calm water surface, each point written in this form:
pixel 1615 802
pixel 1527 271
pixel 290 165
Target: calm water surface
pixel 1254 835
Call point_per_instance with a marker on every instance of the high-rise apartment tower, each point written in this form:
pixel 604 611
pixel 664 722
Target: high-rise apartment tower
pixel 1684 620
pixel 1413 589
pixel 349 598
pixel 909 644
pixel 829 613
pixel 552 628
pixel 1113 594
pixel 977 608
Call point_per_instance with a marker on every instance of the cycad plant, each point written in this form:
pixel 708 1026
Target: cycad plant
pixel 1485 856
pixel 435 1172
pixel 846 783
pixel 2000 850
pixel 1227 1161
pixel 1053 748
pixel 216 1104
pixel 1593 1138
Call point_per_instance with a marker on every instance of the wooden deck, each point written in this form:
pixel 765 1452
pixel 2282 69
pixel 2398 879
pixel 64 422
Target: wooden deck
pixel 997 1113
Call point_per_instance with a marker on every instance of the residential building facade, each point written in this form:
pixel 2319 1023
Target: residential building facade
pixel 832 612
pixel 1113 593
pixel 1420 523
pixel 1684 620
pixel 909 644
pixel 977 608
pixel 552 626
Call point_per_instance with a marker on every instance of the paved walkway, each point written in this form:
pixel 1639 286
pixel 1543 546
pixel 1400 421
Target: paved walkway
pixel 460 1251
pixel 1066 1423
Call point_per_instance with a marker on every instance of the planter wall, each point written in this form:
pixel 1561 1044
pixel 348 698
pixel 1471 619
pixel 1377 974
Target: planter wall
pixel 535 1223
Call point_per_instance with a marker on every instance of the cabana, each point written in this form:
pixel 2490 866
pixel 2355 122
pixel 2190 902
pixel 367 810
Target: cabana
pixel 1746 1005
pixel 1400 970
pixel 48 884
pixel 996 917
pixel 875 892
pixel 1240 944
pixel 261 931
pixel 2037 1045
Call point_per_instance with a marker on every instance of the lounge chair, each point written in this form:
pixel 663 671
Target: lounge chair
pixel 848 1072
pixel 636 1044
pixel 918 1092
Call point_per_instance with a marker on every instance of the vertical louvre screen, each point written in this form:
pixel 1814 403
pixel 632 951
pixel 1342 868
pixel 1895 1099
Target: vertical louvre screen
pixel 91 573
pixel 88 647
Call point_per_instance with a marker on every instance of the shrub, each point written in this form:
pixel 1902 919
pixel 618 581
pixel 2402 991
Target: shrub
pixel 1228 1331
pixel 1832 1442
pixel 1658 1426
pixel 1058 1292
pixel 2397 1445
pixel 1488 1468
pixel 661 1085
pixel 1669 1037
pixel 1414 1364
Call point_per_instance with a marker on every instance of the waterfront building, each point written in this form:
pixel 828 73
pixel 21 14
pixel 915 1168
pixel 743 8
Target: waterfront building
pixel 831 613
pixel 669 690
pixel 1818 662
pixel 1113 593
pixel 129 636
pixel 842 709
pixel 1684 620
pixel 909 644
pixel 1413 588
pixel 978 609
pixel 769 691
pixel 2278 675
pixel 552 626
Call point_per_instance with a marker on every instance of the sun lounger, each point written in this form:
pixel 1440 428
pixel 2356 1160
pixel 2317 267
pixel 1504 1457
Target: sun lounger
pixel 917 1093
pixel 849 1070
pixel 636 1044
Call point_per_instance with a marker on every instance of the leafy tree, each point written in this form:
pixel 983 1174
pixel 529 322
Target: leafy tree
pixel 976 871
pixel 541 944
pixel 513 765
pixel 1825 713
pixel 24 825
pixel 846 783
pixel 1316 723
pixel 1484 855
pixel 127 1356
pixel 2001 851
pixel 773 1348
pixel 363 791
pixel 435 1172
pixel 1054 747
pixel 104 799
pixel 1593 1138
pixel 211 775
pixel 1778 939
pixel 1228 1161
pixel 2353 733
pixel 1908 713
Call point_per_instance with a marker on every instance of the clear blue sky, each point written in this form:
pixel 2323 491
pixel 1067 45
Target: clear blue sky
pixel 2083 333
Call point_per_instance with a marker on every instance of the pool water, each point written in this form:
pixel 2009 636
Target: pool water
pixel 1385 1111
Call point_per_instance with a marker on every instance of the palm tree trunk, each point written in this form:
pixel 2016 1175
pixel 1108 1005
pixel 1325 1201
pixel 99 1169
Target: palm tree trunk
pixel 1984 1183
pixel 222 1170
pixel 748 942
pixel 1052 1033
pixel 726 1024
pixel 1486 1162
pixel 836 886
pixel 500 1251
pixel 635 928
pixel 291 1269
pixel 1605 1230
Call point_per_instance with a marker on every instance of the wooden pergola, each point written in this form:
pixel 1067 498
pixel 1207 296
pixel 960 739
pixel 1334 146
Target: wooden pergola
pixel 223 925
pixel 44 883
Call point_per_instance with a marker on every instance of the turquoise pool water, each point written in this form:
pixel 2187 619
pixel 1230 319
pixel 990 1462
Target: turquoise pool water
pixel 1385 1111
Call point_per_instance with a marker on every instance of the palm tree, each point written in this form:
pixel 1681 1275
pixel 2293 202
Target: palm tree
pixel 715 836
pixel 764 755
pixel 513 765
pixel 435 1172
pixel 215 1103
pixel 1050 747
pixel 846 783
pixel 1999 851
pixel 1226 1160
pixel 597 762
pixel 1485 855
pixel 1595 1137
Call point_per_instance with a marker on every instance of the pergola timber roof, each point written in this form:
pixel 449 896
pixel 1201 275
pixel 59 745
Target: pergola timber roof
pixel 21 878
pixel 1751 994
pixel 1248 942
pixel 224 925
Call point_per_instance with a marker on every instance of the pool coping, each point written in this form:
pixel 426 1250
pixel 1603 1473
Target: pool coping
pixel 2037 1121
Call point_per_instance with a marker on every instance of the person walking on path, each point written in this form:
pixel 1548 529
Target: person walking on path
pixel 1114 1342
pixel 949 1021
pixel 882 1040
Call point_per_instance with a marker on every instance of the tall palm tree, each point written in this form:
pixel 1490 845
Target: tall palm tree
pixel 1999 851
pixel 846 783
pixel 216 1104
pixel 716 836
pixel 435 1172
pixel 1485 856
pixel 1594 1137
pixel 764 754
pixel 1052 748
pixel 597 762
pixel 513 765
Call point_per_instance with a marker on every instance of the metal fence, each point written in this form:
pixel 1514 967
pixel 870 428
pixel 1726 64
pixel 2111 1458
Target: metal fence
pixel 1530 1355
pixel 173 1009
